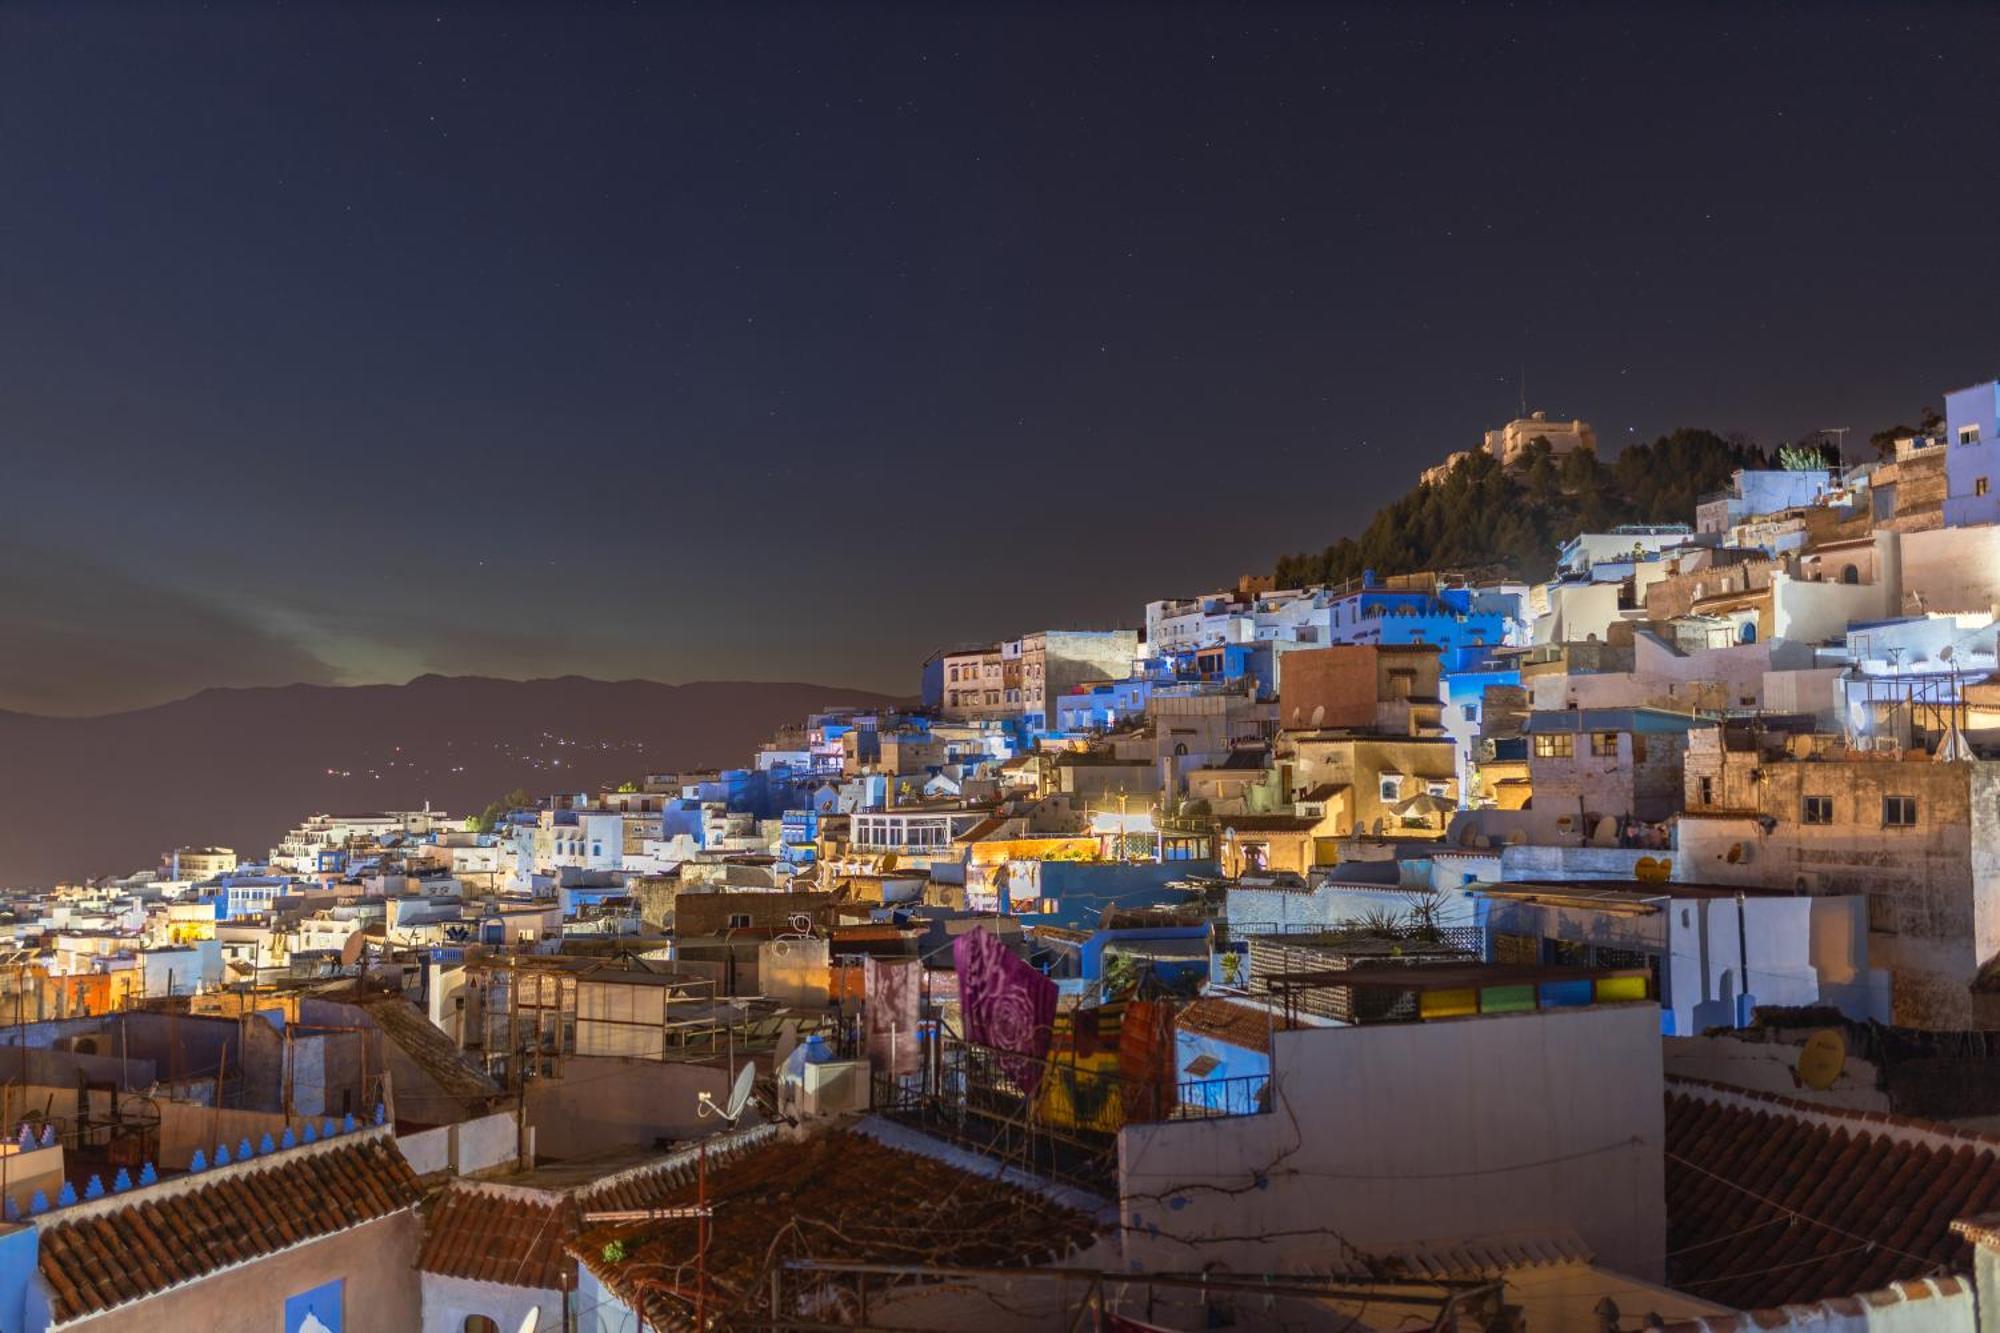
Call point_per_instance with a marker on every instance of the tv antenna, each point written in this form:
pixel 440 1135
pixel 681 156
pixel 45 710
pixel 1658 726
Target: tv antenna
pixel 705 1105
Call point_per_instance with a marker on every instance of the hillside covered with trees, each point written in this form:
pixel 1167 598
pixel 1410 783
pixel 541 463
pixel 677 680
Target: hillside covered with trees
pixel 1483 517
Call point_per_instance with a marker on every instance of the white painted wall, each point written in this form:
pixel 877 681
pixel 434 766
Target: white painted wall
pixel 1399 1134
pixel 1954 569
pixel 1821 612
pixel 449 1301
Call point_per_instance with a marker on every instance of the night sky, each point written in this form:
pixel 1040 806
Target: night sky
pixel 349 343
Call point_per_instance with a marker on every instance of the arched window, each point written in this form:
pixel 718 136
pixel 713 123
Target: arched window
pixel 1747 632
pixel 1849 574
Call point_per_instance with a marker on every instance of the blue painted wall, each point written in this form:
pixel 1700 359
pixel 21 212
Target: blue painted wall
pixel 1976 409
pixel 1213 1088
pixel 322 1307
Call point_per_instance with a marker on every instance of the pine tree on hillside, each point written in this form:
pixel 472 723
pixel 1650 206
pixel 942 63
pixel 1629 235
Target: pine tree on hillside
pixel 1481 516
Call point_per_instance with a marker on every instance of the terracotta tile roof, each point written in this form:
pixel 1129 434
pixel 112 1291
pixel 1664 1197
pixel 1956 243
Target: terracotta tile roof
pixel 495 1234
pixel 100 1255
pixel 1241 1025
pixel 871 931
pixel 839 1194
pixel 518 1234
pixel 1772 1200
pixel 470 1090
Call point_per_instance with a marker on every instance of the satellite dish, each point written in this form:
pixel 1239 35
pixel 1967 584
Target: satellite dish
pixel 739 1096
pixel 1821 1059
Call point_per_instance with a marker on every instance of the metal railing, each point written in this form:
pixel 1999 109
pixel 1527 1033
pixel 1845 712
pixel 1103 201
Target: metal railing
pixel 960 1076
pixel 1221 1098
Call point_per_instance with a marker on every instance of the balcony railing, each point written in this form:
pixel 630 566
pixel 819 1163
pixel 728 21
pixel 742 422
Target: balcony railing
pixel 1218 1098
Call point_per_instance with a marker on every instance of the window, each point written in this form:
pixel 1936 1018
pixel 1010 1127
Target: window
pixel 1817 810
pixel 1604 744
pixel 1560 746
pixel 739 921
pixel 479 1323
pixel 1899 811
pixel 1706 789
pixel 1968 434
pixel 1979 485
pixel 1882 914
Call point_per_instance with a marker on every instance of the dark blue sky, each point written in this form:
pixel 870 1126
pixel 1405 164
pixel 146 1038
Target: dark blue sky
pixel 350 342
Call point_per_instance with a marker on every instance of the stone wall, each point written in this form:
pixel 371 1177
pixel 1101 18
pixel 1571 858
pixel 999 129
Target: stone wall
pixel 1934 897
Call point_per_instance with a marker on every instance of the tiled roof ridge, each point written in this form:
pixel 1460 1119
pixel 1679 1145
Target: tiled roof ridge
pixel 682 1164
pixel 1833 1308
pixel 94 1259
pixel 1885 1124
pixel 502 1189
pixel 192 1181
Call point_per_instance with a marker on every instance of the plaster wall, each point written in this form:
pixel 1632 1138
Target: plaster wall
pixel 1398 1134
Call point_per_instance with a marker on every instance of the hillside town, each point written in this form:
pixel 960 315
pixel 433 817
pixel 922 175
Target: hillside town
pixel 1430 950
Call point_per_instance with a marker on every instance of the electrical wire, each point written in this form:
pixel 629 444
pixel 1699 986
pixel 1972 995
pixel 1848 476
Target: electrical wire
pixel 1791 1212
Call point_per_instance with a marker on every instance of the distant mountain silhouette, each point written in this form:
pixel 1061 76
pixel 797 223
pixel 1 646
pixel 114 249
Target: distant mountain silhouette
pixel 88 796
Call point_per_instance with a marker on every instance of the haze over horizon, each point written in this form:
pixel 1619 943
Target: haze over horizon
pixel 343 347
pixel 432 676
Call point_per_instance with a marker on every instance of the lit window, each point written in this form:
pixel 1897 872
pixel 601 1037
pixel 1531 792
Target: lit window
pixel 1979 486
pixel 1899 811
pixel 1817 810
pixel 1604 744
pixel 1560 746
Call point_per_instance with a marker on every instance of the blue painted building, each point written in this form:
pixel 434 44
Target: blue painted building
pixel 1177 956
pixel 1103 704
pixel 1222 1050
pixel 798 837
pixel 1075 893
pixel 1972 458
pixel 248 895
pixel 1462 622
pixel 1463 689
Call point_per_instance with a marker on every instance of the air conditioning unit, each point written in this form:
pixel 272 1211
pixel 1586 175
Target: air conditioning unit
pixel 835 1086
